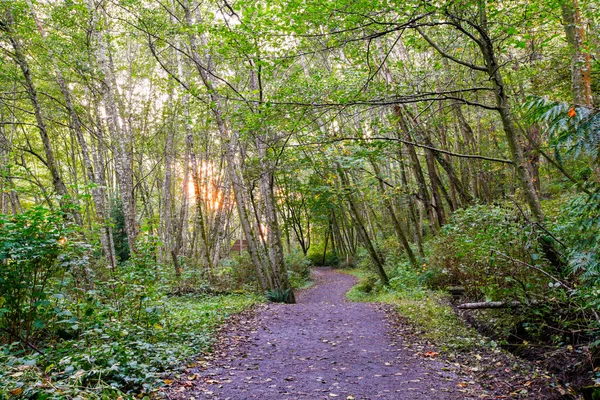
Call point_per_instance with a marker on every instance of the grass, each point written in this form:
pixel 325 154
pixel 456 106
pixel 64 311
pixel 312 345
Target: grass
pixel 426 310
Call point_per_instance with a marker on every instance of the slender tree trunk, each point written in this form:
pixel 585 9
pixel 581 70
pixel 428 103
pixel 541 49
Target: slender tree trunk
pixel 360 227
pixel 416 166
pixel 117 128
pixel 231 146
pixel 266 182
pixel 98 194
pixel 435 188
pixel 580 57
pixel 32 93
pixel 200 215
pixel 165 217
pixel 397 226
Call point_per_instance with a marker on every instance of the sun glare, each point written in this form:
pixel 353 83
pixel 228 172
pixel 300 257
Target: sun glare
pixel 209 190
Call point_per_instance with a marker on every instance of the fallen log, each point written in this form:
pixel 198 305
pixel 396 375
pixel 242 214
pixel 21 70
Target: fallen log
pixel 496 304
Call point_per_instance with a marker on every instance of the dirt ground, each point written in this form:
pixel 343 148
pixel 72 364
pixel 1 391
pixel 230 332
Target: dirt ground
pixel 324 347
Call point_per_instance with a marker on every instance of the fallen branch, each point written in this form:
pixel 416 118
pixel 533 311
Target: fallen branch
pixel 496 304
pixel 23 341
pixel 555 279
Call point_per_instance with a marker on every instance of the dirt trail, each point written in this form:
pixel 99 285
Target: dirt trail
pixel 321 348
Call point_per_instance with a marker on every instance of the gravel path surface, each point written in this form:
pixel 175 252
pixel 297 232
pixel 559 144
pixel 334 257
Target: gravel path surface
pixel 321 348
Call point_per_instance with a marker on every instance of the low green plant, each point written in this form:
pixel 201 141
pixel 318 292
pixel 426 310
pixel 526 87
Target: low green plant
pixel 316 258
pixel 280 296
pixel 112 356
pixel 87 331
pixel 235 273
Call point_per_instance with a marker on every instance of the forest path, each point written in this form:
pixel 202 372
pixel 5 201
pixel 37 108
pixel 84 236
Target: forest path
pixel 324 347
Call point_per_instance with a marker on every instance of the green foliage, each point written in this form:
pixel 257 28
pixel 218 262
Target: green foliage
pixel 316 258
pixel 298 268
pixel 119 232
pixel 280 296
pixel 235 273
pixel 584 250
pixel 575 127
pixel 103 334
pixel 125 346
pixel 36 249
pixel 477 249
pixel 127 355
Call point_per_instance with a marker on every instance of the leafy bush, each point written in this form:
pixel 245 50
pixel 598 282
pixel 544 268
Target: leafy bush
pixel 96 333
pixel 119 351
pixel 584 254
pixel 298 268
pixel 119 233
pixel 330 260
pixel 487 249
pixel 36 247
pixel 280 296
pixel 236 272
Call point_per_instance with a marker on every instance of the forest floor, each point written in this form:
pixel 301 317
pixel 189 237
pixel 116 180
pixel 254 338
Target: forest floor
pixel 326 347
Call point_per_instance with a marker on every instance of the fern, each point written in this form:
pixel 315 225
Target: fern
pixel 280 296
pixel 575 127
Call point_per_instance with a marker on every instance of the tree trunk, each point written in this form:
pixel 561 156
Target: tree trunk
pixel 360 227
pixel 581 82
pixel 32 94
pixel 266 182
pixel 231 146
pixel 98 194
pixel 397 226
pixel 416 166
pixel 117 129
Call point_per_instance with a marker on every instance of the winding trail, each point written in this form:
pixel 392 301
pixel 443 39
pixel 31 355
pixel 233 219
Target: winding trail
pixel 321 348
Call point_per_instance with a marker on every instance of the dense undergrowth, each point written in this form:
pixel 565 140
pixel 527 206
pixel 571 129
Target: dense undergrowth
pixel 72 328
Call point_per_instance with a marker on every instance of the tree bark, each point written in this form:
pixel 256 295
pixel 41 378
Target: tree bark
pixel 117 128
pixel 32 94
pixel 581 82
pixel 231 146
pixel 98 194
pixel 397 226
pixel 360 227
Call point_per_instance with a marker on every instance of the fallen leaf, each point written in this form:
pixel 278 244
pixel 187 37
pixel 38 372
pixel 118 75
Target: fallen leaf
pixel 16 392
pixel 571 113
pixel 168 381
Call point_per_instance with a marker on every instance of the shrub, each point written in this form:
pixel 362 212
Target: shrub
pixel 298 268
pixel 478 249
pixel 36 247
pixel 119 233
pixel 330 260
pixel 236 272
